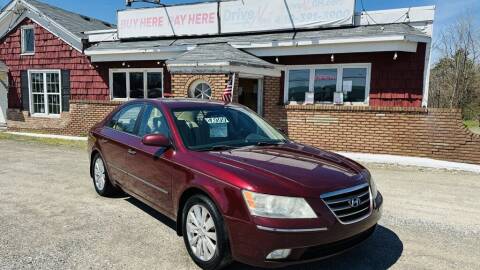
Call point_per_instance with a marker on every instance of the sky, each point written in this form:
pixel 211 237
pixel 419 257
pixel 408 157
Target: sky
pixel 446 13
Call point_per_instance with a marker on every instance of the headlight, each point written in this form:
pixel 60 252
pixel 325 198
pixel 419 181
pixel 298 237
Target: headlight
pixel 271 206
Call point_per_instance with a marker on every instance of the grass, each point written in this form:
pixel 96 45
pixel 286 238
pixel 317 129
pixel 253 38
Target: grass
pixel 472 125
pixel 46 141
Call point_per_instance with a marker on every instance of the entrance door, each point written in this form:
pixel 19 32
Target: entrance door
pixel 3 97
pixel 250 94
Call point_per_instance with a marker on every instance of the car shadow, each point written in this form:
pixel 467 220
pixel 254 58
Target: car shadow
pixel 153 213
pixel 380 251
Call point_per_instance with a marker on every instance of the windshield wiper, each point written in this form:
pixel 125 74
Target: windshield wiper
pixel 218 148
pixel 270 143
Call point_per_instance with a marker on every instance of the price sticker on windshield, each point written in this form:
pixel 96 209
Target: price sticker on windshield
pixel 218 126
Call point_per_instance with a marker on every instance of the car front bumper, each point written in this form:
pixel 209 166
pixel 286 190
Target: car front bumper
pixel 251 243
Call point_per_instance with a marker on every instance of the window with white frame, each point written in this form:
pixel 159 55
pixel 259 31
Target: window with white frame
pixel 45 92
pixel 136 83
pixel 323 81
pixel 28 39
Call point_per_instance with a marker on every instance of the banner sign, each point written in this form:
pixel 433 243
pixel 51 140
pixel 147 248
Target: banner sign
pixel 235 17
pixel 267 15
pixel 184 20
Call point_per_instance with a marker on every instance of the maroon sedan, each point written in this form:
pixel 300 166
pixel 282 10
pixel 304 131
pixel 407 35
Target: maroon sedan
pixel 237 188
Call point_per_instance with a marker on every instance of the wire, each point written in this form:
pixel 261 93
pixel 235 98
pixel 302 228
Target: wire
pixel 366 13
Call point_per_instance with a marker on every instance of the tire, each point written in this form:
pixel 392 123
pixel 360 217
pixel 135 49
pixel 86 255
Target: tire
pixel 100 178
pixel 202 254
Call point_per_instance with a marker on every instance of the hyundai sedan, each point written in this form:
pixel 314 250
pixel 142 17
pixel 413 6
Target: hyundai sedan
pixel 237 188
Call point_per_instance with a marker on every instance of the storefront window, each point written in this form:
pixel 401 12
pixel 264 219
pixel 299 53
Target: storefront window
pixel 325 84
pixel 323 81
pixel 154 84
pixel 354 84
pixel 298 84
pixel 119 85
pixel 136 83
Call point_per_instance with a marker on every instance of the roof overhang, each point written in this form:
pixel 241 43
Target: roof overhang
pixel 222 67
pixel 136 54
pixel 400 43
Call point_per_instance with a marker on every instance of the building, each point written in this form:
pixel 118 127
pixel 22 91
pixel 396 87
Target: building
pixel 326 75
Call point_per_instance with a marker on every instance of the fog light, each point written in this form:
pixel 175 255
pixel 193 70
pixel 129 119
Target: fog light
pixel 279 254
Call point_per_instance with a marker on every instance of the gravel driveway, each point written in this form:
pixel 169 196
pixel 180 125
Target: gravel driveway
pixel 51 218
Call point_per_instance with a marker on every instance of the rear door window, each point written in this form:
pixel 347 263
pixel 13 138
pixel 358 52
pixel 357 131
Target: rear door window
pixel 126 119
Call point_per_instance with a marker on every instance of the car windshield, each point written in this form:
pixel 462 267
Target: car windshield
pixel 223 128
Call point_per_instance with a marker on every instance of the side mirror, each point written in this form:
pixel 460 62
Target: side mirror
pixel 159 140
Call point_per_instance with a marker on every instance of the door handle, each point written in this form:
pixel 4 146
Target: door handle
pixel 132 152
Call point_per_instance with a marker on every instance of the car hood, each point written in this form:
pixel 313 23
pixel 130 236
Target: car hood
pixel 289 167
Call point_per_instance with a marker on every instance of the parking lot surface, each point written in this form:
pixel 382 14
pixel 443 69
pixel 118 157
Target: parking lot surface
pixel 51 218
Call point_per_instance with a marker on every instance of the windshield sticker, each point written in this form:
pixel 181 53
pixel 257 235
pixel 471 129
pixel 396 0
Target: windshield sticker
pixel 218 127
pixel 217 120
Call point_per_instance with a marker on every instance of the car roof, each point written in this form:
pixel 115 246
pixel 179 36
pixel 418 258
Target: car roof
pixel 176 103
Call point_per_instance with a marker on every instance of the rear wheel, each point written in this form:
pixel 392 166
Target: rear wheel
pixel 204 233
pixel 101 181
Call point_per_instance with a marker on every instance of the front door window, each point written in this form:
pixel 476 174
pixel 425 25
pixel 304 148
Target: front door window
pixel 249 94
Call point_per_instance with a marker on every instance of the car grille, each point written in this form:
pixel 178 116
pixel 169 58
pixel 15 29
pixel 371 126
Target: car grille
pixel 350 205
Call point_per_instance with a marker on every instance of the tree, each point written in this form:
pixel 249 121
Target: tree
pixel 455 79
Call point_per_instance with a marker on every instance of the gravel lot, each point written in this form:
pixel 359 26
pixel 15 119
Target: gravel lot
pixel 51 218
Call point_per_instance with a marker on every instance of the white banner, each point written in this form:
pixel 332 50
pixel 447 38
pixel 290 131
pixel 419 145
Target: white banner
pixel 235 17
pixel 262 15
pixel 185 20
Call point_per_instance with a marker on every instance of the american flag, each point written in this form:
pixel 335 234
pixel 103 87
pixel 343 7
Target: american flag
pixel 228 93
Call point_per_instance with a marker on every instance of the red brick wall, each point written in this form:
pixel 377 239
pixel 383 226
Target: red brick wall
pixel 395 83
pixel 434 133
pixel 51 53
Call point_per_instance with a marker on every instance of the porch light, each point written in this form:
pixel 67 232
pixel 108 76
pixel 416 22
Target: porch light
pixel 332 58
pixel 123 64
pixel 395 56
pixel 277 60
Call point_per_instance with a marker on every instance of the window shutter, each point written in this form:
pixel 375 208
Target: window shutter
pixel 24 89
pixel 66 90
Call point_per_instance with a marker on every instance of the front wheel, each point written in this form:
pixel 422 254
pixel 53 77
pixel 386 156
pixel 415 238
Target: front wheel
pixel 204 233
pixel 101 181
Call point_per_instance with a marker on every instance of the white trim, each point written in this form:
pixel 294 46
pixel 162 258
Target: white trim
pixel 50 136
pixel 134 57
pixel 339 68
pixel 383 46
pixel 22 41
pixel 412 161
pixel 127 71
pixel 426 74
pixel 47 114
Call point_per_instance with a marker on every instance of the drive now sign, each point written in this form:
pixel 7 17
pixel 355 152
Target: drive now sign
pixel 234 17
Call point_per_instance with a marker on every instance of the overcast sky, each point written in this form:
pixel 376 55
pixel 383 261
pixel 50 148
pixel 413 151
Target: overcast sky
pixel 446 13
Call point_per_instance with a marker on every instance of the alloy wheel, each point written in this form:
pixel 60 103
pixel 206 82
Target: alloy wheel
pixel 201 233
pixel 99 174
